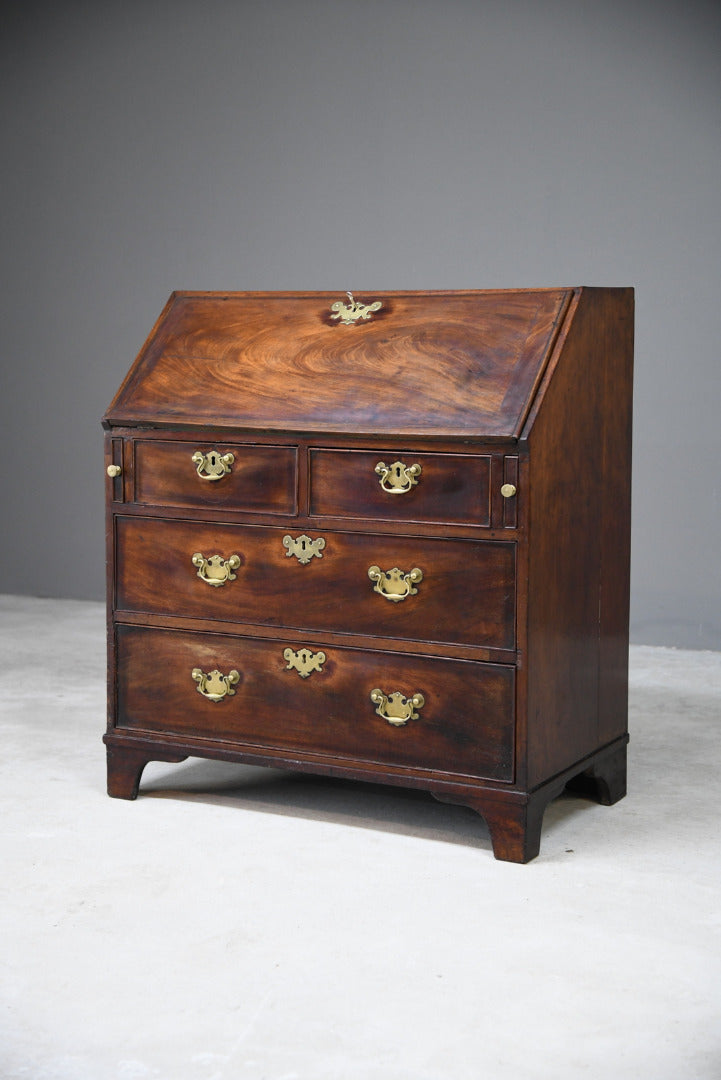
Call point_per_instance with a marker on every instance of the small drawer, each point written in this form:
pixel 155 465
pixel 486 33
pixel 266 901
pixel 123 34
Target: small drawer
pixel 395 709
pixel 224 475
pixel 454 591
pixel 399 485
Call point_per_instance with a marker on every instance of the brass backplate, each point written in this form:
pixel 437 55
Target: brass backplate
pixel 304 661
pixel 214 685
pixel 395 708
pixel 350 313
pixel 303 548
pixel 395 585
pixel 212 465
pixel 397 478
pixel 215 570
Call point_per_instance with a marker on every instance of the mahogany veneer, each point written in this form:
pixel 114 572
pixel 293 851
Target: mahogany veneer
pixel 270 600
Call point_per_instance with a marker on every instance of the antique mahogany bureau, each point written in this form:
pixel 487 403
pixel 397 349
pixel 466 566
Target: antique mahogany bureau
pixel 382 537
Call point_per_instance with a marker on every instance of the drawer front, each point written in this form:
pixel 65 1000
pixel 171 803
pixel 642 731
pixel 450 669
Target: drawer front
pixel 401 486
pixel 448 715
pixel 454 591
pixel 262 479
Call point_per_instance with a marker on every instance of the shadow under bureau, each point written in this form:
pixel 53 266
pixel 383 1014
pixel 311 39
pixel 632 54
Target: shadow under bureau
pixel 383 537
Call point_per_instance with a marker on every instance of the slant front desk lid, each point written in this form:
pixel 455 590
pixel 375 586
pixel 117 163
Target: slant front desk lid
pixel 445 364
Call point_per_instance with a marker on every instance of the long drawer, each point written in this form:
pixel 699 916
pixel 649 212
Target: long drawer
pixel 390 708
pixel 452 591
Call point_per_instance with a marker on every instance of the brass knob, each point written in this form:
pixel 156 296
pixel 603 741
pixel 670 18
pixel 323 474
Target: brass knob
pixel 113 471
pixel 508 491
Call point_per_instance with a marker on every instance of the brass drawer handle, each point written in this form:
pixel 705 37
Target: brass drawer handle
pixel 304 661
pixel 213 465
pixel 215 686
pixel 216 570
pixel 303 548
pixel 397 478
pixel 395 584
pixel 113 471
pixel 395 708
pixel 508 491
pixel 352 311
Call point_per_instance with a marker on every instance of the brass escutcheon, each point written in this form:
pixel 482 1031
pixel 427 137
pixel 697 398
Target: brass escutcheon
pixel 213 465
pixel 397 478
pixel 351 312
pixel 215 686
pixel 395 708
pixel 303 548
pixel 304 661
pixel 216 570
pixel 395 584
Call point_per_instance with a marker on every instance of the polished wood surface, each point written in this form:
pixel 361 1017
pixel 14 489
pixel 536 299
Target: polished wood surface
pixel 579 452
pixel 466 596
pixel 426 363
pixel 330 711
pixel 261 478
pixel 451 488
pixel 517 406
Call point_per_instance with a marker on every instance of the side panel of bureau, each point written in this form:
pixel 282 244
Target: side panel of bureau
pixel 464 724
pixel 579 451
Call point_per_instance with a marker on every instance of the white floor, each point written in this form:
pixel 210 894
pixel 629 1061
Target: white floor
pixel 244 924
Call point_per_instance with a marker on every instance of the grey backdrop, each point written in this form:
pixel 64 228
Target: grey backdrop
pixel 357 144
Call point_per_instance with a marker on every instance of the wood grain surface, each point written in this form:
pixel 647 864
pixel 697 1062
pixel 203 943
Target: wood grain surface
pixel 451 488
pixel 467 595
pixel 261 478
pixel 465 725
pixel 461 363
